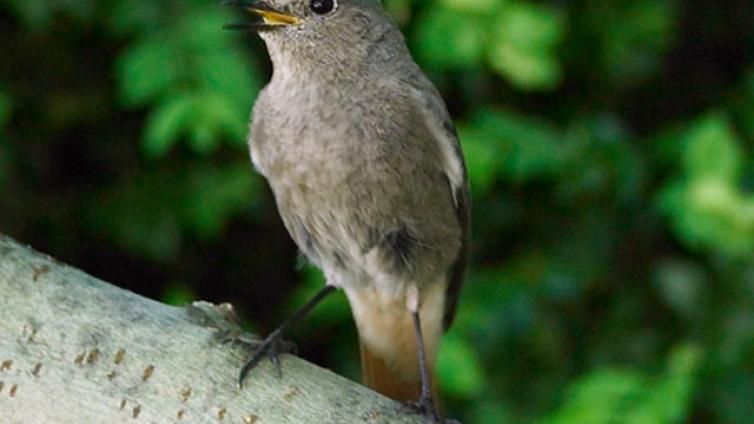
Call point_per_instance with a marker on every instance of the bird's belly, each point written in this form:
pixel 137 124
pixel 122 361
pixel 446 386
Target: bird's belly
pixel 321 212
pixel 365 213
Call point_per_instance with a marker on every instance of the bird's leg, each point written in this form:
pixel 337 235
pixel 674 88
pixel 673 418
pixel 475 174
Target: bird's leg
pixel 426 404
pixel 274 344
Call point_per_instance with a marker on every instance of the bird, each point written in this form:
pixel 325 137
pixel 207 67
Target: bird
pixel 370 181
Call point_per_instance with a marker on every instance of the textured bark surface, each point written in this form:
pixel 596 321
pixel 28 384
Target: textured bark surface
pixel 74 349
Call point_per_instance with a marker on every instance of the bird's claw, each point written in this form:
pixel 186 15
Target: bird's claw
pixel 426 408
pixel 271 347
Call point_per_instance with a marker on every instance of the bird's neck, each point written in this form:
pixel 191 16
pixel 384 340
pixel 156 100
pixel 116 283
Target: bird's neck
pixel 366 59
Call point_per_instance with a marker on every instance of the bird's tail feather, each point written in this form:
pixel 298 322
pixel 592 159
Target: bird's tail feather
pixel 387 337
pixel 381 377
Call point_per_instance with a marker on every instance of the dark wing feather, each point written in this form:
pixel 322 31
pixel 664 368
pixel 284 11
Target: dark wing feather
pixel 458 270
pixel 440 127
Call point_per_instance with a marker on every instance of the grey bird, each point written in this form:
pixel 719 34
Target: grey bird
pixel 369 179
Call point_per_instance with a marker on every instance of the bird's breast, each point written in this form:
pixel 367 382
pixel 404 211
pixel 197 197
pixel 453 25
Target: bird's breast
pixel 359 187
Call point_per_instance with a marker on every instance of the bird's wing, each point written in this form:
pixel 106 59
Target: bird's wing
pixel 440 127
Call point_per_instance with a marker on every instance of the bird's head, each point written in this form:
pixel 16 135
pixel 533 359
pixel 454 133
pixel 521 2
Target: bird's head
pixel 334 33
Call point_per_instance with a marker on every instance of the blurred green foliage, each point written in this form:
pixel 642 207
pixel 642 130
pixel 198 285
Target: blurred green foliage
pixel 617 395
pixel 708 206
pixel 609 147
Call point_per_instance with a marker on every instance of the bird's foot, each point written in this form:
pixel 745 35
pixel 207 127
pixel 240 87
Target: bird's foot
pixel 271 348
pixel 426 408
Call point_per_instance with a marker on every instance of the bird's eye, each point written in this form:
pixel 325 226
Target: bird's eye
pixel 320 7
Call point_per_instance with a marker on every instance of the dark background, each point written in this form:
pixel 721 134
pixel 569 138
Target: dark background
pixel 609 146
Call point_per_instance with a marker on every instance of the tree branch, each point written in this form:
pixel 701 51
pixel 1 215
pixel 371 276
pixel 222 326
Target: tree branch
pixel 74 349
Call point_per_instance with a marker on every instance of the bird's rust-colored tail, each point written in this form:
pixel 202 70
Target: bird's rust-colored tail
pixel 386 379
pixel 387 337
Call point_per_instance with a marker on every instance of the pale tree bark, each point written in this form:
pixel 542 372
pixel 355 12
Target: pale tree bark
pixel 74 349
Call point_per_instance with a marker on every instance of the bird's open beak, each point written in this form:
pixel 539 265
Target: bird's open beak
pixel 271 18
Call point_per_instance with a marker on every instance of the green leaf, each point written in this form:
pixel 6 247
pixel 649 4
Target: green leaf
pixel 709 214
pixel 198 76
pixel 229 74
pixel 525 39
pixel 617 396
pixel 166 123
pixel 674 392
pixel 706 206
pixel 484 156
pixel 712 150
pixel 600 397
pixel 528 148
pixel 459 368
pixel 216 115
pixel 147 71
pixel 446 39
pixel 200 28
pixel 227 80
pixel 203 136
